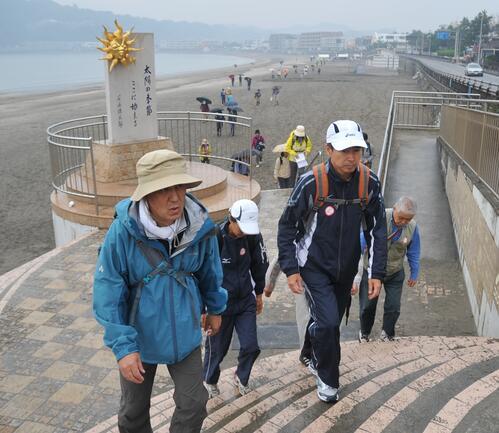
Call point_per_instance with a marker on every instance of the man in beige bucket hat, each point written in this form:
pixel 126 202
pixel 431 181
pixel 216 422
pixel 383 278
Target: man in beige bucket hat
pixel 158 270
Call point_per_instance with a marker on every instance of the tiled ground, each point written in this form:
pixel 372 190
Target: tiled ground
pixel 55 376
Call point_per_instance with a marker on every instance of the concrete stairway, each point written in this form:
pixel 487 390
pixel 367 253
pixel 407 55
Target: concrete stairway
pixel 415 384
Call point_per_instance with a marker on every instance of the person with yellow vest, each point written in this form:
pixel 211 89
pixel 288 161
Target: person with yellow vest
pixel 402 240
pixel 298 143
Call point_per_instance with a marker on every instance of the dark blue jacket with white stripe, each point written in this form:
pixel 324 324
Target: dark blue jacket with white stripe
pixel 328 241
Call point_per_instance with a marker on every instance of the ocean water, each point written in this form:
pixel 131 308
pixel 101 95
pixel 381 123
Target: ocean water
pixel 38 72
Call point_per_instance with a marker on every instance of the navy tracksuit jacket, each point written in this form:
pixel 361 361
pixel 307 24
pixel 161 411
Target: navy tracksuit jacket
pixel 244 264
pixel 324 247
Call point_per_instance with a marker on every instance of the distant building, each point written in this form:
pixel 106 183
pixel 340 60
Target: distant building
pixel 362 43
pixel 180 45
pixel 390 38
pixel 283 42
pixel 312 42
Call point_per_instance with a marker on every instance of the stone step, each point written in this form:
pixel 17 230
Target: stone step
pixel 425 384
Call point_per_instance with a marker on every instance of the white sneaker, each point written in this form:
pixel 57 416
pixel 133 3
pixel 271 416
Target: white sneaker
pixel 363 338
pixel 312 369
pixel 243 389
pixel 212 389
pixel 326 393
pixel 385 337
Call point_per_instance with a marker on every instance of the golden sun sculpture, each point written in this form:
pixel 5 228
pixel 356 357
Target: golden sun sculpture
pixel 118 47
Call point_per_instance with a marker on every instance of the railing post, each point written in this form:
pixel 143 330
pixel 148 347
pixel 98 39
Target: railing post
pixel 189 134
pixel 479 168
pixel 94 180
pixel 251 159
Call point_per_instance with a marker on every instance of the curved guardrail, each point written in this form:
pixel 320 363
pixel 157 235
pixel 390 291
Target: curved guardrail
pixel 458 83
pixel 71 145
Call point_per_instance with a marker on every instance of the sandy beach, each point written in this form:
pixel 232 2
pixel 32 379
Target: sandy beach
pixel 314 101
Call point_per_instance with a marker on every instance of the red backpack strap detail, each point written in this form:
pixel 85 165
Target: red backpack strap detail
pixel 363 184
pixel 321 185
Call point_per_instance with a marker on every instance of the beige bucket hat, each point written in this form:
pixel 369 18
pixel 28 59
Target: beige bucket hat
pixel 161 169
pixel 300 131
pixel 279 148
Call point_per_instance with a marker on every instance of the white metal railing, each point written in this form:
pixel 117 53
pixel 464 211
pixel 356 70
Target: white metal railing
pixel 422 110
pixel 71 145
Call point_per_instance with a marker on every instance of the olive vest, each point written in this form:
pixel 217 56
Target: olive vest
pixel 397 249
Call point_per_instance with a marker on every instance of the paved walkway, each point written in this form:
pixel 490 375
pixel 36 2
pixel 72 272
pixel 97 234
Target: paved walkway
pixel 55 376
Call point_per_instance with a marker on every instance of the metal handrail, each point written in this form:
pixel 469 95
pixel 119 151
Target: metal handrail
pixel 71 146
pixel 462 101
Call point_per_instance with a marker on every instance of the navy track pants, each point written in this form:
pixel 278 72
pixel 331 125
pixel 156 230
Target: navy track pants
pixel 328 302
pixel 216 347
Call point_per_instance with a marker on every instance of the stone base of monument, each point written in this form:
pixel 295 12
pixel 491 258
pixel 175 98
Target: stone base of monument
pixel 76 215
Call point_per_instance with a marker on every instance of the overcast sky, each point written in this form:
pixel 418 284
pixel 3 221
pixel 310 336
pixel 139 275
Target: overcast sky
pixel 356 14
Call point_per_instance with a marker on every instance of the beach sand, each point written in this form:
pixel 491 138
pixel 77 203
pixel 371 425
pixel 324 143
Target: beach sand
pixel 314 101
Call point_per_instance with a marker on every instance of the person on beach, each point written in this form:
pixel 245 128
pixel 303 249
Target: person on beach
pixel 258 95
pixel 282 171
pixel 231 78
pixel 222 96
pixel 220 123
pixel 258 143
pixel 161 250
pixel 402 241
pixel 229 98
pixel 298 143
pixel 242 161
pixel 205 151
pixel 319 244
pixel 231 118
pixel 275 95
pixel 240 80
pixel 244 263
pixel 248 81
pixel 205 108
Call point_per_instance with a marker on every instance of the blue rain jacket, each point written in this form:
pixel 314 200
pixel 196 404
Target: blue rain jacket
pixel 167 324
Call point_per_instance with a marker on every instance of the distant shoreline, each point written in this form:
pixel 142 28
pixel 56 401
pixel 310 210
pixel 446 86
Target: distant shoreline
pixel 47 89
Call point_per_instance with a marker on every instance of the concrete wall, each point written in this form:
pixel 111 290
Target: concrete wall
pixel 475 216
pixel 66 231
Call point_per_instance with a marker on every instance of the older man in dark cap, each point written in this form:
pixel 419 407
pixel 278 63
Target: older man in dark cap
pixel 158 270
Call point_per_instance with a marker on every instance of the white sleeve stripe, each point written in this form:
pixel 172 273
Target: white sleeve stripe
pixel 371 250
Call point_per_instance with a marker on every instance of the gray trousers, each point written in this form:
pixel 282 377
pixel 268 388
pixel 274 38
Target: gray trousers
pixel 190 397
pixel 393 292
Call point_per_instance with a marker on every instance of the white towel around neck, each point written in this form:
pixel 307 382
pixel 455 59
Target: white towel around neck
pixel 152 230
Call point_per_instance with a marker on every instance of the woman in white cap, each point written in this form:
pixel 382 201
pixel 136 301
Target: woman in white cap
pixel 298 145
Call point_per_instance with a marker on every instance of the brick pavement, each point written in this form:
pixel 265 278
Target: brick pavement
pixel 56 377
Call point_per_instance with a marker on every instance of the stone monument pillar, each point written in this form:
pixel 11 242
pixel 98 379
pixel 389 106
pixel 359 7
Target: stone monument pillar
pixel 132 123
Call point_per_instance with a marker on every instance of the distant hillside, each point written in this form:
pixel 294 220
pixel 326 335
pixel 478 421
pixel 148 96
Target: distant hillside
pixel 24 21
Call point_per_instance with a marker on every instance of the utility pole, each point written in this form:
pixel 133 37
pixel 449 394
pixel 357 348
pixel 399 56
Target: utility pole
pixel 456 46
pixel 429 45
pixel 480 41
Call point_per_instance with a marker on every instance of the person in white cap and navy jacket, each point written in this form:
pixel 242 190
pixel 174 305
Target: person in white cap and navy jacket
pixel 319 247
pixel 157 271
pixel 244 263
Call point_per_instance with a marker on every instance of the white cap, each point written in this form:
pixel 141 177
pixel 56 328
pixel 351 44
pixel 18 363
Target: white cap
pixel 245 212
pixel 344 134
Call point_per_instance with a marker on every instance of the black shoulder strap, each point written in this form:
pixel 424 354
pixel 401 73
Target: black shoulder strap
pixel 220 239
